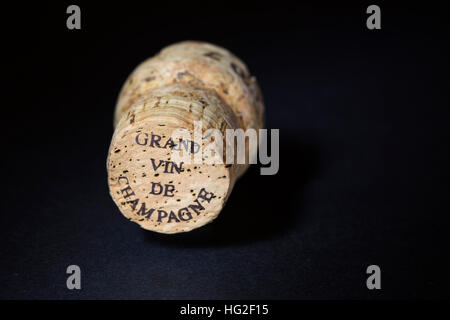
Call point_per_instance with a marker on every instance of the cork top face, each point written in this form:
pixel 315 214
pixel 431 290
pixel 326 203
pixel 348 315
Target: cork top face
pixel 147 183
pixel 201 65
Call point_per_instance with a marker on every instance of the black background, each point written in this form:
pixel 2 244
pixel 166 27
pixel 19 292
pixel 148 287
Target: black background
pixel 364 164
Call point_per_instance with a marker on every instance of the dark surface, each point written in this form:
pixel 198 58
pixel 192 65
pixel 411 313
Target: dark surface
pixel 364 172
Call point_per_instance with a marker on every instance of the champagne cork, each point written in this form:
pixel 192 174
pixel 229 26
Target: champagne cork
pixel 186 84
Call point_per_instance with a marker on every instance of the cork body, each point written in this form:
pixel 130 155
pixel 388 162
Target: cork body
pixel 186 84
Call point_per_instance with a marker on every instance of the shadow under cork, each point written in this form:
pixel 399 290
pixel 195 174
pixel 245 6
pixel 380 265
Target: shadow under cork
pixel 259 207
